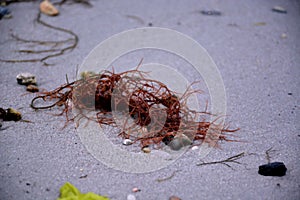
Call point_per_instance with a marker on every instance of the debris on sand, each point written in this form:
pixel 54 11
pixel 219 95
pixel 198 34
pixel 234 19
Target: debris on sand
pixel 69 191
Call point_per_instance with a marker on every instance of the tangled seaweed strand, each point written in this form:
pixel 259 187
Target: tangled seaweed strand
pixel 140 102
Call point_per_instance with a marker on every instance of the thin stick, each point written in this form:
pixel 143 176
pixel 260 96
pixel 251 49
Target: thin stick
pixel 232 159
pixel 167 178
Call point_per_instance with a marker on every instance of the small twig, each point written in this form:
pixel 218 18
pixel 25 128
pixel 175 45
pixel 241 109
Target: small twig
pixel 232 159
pixel 268 157
pixel 26 121
pixel 167 178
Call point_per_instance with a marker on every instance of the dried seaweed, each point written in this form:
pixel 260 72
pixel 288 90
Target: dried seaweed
pixel 140 102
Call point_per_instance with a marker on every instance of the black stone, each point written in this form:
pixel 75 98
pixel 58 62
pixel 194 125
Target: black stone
pixel 272 169
pixel 211 12
pixel 167 139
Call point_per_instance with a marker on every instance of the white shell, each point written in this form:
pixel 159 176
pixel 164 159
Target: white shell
pixel 131 197
pixel 146 150
pixel 195 148
pixel 127 142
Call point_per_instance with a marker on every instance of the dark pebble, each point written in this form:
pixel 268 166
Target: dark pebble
pixel 290 93
pixel 150 24
pixel 167 139
pixel 211 12
pixel 272 169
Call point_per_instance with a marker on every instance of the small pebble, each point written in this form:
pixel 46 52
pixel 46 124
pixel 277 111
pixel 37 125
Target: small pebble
pixel 179 141
pixel 283 36
pixel 127 142
pixel 131 197
pixel 12 115
pixel 174 198
pixel 32 88
pixel 279 9
pixel 195 148
pixel 272 169
pixel 167 139
pixel 26 79
pixel 146 149
pixel 211 12
pixel 4 12
pixel 136 189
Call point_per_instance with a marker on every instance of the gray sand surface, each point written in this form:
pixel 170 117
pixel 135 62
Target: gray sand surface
pixel 259 67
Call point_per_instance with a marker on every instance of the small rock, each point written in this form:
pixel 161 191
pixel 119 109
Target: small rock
pixel 283 36
pixel 12 115
pixel 167 139
pixel 131 197
pixel 26 79
pixel 279 9
pixel 150 24
pixel 195 148
pixel 136 189
pixel 127 142
pixel 146 149
pixel 47 8
pixel 4 12
pixel 272 169
pixel 179 141
pixel 174 198
pixel 32 88
pixel 211 12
